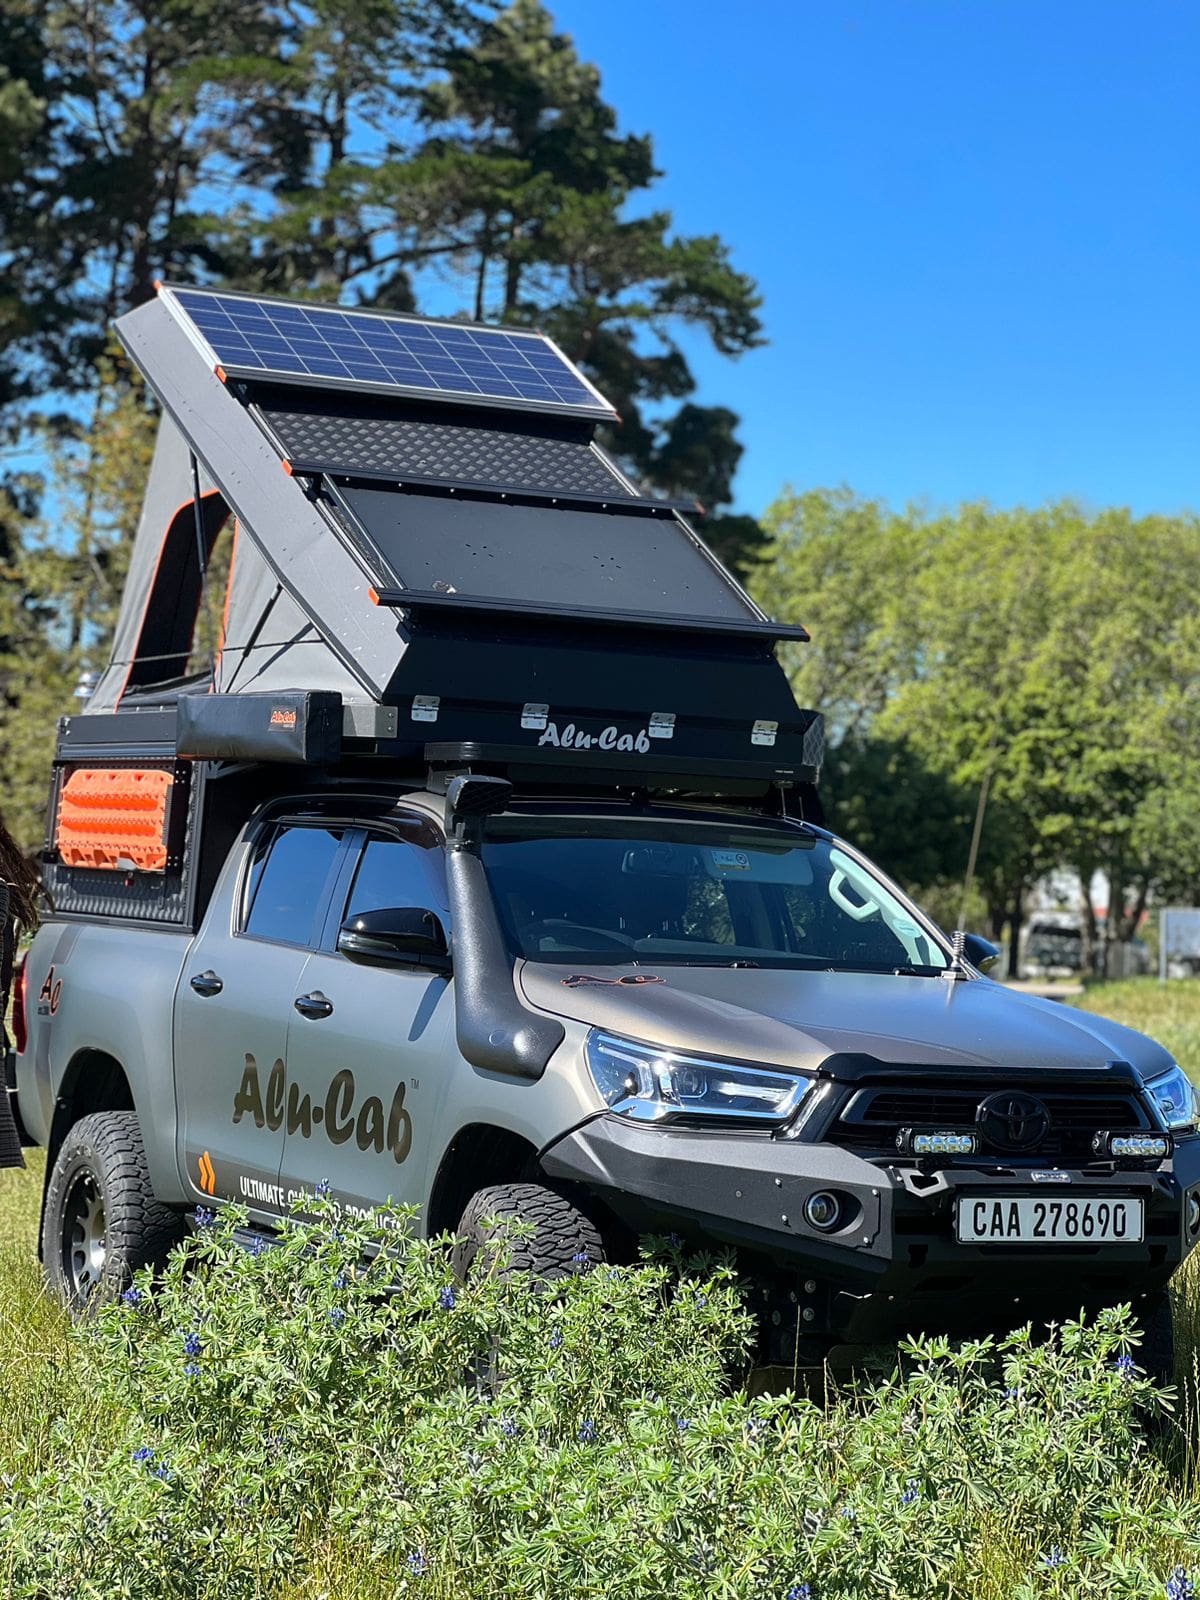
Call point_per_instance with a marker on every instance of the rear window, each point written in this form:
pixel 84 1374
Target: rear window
pixel 291 870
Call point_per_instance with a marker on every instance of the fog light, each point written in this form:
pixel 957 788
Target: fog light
pixel 822 1211
pixel 1139 1146
pixel 1193 1213
pixel 938 1144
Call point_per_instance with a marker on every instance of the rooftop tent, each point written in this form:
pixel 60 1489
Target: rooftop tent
pixel 426 524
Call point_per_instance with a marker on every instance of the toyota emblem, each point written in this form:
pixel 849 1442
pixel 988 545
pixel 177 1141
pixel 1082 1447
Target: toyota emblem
pixel 1010 1121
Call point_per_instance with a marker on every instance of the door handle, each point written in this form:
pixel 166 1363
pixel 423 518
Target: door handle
pixel 206 983
pixel 314 1005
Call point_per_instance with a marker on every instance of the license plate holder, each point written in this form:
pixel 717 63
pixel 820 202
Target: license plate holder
pixel 1049 1220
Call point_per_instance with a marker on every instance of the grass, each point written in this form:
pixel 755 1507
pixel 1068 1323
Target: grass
pixel 43 1391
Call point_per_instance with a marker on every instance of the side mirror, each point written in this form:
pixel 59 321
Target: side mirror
pixel 401 935
pixel 980 952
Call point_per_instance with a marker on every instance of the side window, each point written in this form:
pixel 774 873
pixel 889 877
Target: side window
pixel 393 872
pixel 287 882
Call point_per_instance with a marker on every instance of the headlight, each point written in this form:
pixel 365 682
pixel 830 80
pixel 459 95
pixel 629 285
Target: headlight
pixel 1177 1100
pixel 650 1085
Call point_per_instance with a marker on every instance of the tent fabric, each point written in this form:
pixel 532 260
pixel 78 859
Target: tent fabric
pixel 270 642
pixel 169 487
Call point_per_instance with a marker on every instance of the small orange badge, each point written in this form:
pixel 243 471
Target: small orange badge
pixel 208 1176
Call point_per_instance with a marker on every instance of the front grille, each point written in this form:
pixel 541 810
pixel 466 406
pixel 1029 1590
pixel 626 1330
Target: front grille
pixel 872 1118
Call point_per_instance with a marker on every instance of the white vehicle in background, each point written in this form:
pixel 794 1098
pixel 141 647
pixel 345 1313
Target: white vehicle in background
pixel 1178 942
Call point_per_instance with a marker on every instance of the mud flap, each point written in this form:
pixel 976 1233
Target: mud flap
pixel 10 1134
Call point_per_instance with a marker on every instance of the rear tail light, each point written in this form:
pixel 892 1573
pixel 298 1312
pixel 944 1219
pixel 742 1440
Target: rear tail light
pixel 19 1027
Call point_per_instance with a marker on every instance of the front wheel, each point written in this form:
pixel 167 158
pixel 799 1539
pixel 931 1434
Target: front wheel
pixel 564 1240
pixel 1156 1356
pixel 101 1219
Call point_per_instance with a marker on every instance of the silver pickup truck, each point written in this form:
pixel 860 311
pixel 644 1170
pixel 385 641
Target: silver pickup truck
pixel 483 869
pixel 750 1038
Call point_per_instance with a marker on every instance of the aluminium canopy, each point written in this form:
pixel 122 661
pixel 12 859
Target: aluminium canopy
pixel 425 522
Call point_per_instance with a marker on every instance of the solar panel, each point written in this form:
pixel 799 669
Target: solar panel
pixel 318 344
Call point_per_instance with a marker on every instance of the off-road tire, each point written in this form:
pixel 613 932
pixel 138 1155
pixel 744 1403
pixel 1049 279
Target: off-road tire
pixel 101 1220
pixel 1156 1353
pixel 566 1241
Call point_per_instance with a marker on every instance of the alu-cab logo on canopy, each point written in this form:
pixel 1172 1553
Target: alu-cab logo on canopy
pixel 572 737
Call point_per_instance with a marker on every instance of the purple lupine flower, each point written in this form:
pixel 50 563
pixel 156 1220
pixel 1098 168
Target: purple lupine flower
pixel 1179 1586
pixel 191 1370
pixel 133 1296
pixel 447 1299
pixel 337 1316
pixel 1054 1557
pixel 1126 1366
pixel 556 1339
pixel 204 1216
pixel 510 1428
pixel 192 1345
pixel 587 1431
pixel 912 1491
pixel 323 1188
pixel 417 1563
pixel 800 1591
pixel 143 1455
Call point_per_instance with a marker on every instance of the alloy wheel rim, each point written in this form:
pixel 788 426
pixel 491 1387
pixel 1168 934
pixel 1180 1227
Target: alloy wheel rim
pixel 85 1229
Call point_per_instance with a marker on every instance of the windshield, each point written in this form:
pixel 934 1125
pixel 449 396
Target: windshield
pixel 636 891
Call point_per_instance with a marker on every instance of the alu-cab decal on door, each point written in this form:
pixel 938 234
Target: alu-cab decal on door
pixel 281 1102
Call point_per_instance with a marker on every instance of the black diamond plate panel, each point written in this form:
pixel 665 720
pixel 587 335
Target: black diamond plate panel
pixel 406 447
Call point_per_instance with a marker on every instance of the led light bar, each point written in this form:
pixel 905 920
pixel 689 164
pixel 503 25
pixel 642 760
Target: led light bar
pixel 935 1142
pixel 1139 1146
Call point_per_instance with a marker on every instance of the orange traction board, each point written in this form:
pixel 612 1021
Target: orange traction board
pixel 114 819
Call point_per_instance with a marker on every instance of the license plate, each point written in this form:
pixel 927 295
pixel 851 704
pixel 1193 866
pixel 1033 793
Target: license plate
pixel 1021 1219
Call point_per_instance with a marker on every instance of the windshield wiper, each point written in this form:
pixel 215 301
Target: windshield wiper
pixel 740 961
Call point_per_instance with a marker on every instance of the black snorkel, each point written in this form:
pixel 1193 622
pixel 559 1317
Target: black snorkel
pixel 495 1031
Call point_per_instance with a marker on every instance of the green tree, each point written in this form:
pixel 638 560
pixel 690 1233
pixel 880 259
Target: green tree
pixel 515 189
pixel 123 116
pixel 1046 658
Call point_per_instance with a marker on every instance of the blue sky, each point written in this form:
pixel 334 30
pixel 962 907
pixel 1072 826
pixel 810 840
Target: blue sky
pixel 976 226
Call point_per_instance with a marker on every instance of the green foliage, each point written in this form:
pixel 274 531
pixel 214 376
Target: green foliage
pixel 62 585
pixel 377 148
pixel 336 1413
pixel 1049 653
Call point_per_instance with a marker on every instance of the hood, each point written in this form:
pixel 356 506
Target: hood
pixel 797 1019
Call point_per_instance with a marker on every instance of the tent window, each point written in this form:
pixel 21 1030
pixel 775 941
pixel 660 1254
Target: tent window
pixel 171 623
